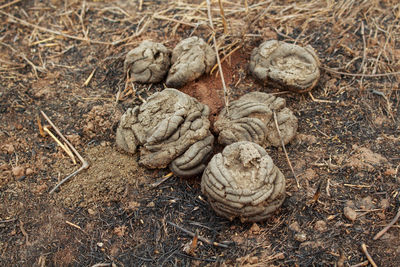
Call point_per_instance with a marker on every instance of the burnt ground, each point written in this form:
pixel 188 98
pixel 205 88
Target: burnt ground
pixel 66 59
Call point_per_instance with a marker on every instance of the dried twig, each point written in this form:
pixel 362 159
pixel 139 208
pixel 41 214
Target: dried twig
pixel 86 83
pixel 21 227
pixel 364 263
pixel 102 265
pixel 9 4
pixel 63 146
pixel 284 149
pixel 73 225
pixel 85 164
pixel 162 180
pixel 9 220
pixel 319 100
pixel 205 240
pixel 364 53
pixel 360 74
pixel 364 249
pixel 221 10
pixel 226 99
pixel 387 227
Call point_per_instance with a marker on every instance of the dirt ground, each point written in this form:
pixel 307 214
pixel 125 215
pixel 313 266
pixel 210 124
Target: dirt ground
pixel 66 58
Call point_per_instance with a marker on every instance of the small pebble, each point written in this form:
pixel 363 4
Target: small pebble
pixel 366 203
pixel 255 229
pixel 301 237
pixel 151 205
pixel 253 260
pixel 385 203
pixel 90 126
pixel 18 171
pixel 320 226
pixel 92 212
pixel 9 148
pixel 28 171
pixel 295 227
pixel 40 188
pixel 350 214
pixel 381 215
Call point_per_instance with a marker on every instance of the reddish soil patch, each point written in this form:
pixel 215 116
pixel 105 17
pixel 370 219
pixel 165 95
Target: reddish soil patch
pixel 208 89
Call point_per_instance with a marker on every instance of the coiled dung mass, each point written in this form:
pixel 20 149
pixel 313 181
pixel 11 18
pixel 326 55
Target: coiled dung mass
pixel 243 182
pixel 171 128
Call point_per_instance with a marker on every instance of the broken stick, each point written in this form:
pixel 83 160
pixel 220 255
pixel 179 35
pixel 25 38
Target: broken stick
pixel 284 150
pixel 162 180
pixel 387 227
pixel 85 164
pixel 364 249
pixel 205 240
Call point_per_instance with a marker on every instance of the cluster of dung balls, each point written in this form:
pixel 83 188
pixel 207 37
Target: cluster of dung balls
pixel 172 129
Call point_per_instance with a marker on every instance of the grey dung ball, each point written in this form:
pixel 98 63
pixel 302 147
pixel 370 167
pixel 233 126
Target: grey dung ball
pixel 171 128
pixel 243 182
pixel 288 66
pixel 191 58
pixel 148 63
pixel 250 118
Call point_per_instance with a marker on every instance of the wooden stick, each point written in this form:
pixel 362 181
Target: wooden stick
pixel 364 263
pixel 284 149
pixel 205 240
pixel 21 227
pixel 85 164
pixel 364 249
pixel 387 227
pixel 162 180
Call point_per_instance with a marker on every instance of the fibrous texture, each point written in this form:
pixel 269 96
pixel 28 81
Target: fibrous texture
pixel 148 63
pixel 285 65
pixel 190 58
pixel 251 118
pixel 243 182
pixel 171 128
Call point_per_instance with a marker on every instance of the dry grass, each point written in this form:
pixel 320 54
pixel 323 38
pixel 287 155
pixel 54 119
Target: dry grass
pixel 360 38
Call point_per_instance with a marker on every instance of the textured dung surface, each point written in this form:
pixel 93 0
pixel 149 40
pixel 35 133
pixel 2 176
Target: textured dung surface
pixel 191 58
pixel 170 125
pixel 287 65
pixel 243 182
pixel 148 63
pixel 251 118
